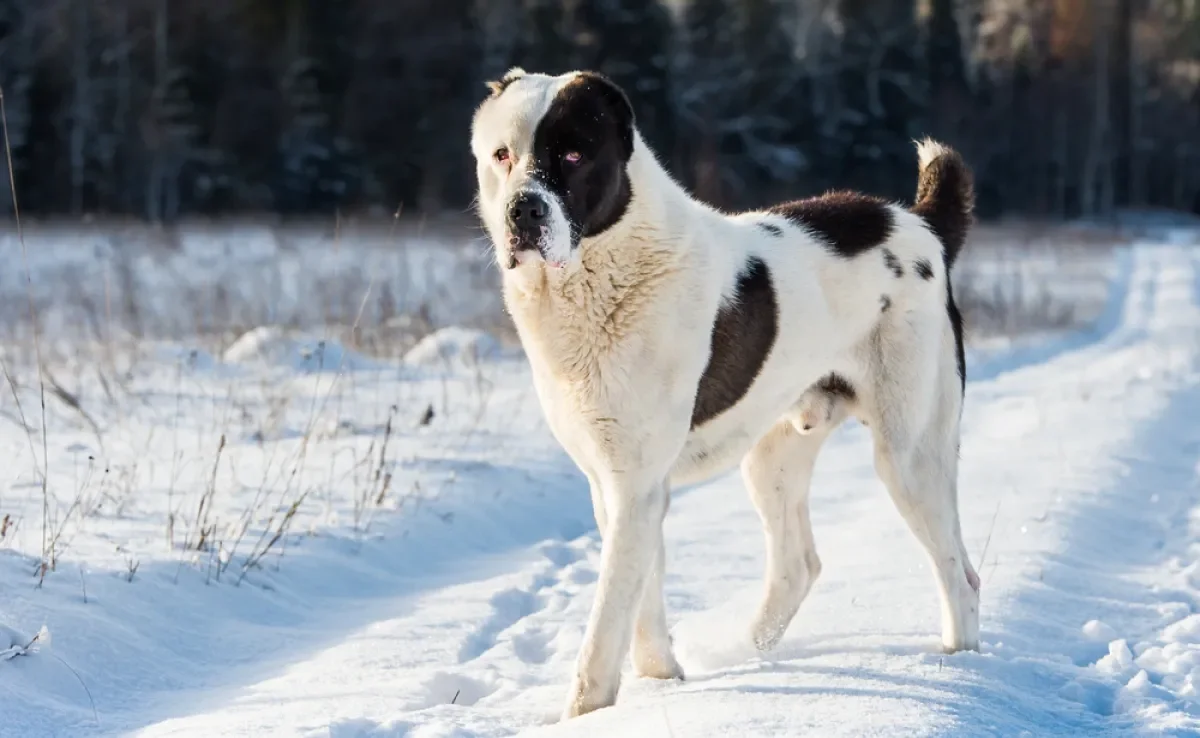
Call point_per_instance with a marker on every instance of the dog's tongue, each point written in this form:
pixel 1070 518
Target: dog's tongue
pixel 557 264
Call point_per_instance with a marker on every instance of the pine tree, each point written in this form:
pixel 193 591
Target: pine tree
pixel 945 70
pixel 883 95
pixel 774 97
pixel 16 80
pixel 416 80
pixel 707 79
pixel 543 44
pixel 452 82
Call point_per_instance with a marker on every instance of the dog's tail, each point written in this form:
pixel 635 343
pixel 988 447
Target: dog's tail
pixel 945 195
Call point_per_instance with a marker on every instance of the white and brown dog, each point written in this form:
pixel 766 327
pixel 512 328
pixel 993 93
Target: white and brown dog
pixel 670 341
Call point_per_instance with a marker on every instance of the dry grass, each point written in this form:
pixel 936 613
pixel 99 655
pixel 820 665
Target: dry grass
pixel 120 284
pixel 1023 278
pixel 108 326
pixel 48 544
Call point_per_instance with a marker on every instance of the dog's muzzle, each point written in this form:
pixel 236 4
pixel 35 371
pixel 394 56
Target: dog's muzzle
pixel 526 219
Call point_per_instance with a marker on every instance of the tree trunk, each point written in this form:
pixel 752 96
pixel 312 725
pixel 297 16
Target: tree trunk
pixel 157 184
pixel 124 93
pixel 81 111
pixel 1094 167
pixel 1121 75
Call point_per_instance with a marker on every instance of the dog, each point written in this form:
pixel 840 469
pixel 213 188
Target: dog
pixel 670 342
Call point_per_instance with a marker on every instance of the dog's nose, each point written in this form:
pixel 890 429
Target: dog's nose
pixel 527 212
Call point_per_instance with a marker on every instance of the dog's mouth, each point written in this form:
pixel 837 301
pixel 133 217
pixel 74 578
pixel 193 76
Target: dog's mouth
pixel 525 248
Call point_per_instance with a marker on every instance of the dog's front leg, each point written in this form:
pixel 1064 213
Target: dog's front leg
pixel 598 509
pixel 632 538
pixel 652 653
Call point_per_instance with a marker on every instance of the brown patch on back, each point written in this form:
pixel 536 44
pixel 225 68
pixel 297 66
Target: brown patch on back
pixel 849 223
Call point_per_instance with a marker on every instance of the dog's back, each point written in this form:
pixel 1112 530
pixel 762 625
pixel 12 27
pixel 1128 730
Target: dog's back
pixel 875 259
pixel 835 279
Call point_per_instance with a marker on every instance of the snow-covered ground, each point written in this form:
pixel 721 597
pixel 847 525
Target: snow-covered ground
pixel 204 278
pixel 294 539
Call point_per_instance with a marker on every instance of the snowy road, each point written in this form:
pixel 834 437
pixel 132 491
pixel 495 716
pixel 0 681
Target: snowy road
pixel 1080 499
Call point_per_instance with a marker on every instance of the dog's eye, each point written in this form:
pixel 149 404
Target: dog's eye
pixel 500 155
pixel 572 157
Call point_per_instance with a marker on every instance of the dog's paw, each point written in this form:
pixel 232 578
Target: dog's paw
pixel 766 642
pixel 957 648
pixel 654 658
pixel 666 668
pixel 584 698
pixel 766 636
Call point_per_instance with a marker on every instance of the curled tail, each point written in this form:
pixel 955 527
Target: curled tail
pixel 945 195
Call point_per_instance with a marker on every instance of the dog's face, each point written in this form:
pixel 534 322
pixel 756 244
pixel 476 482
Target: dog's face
pixel 551 156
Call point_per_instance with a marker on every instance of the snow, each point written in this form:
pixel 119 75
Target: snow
pixel 272 345
pixel 201 277
pixel 398 548
pixel 453 345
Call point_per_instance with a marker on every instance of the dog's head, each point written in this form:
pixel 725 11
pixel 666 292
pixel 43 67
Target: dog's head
pixel 551 156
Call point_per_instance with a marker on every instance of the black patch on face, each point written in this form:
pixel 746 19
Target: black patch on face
pixel 743 334
pixel 891 262
pixel 591 117
pixel 885 303
pixel 923 269
pixel 837 385
pixel 849 223
pixel 771 229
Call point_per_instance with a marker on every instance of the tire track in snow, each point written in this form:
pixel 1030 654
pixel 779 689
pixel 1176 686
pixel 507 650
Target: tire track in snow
pixel 1128 555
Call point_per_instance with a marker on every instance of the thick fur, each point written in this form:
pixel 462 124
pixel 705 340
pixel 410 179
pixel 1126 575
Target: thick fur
pixel 670 342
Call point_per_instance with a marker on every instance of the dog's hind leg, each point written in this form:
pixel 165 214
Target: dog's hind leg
pixel 777 472
pixel 919 467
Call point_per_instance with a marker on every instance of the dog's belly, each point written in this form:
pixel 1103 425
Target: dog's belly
pixel 719 445
pixel 712 450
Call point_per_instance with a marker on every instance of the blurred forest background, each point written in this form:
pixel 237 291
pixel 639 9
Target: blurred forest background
pixel 161 109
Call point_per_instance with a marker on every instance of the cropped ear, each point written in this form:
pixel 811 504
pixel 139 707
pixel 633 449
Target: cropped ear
pixel 512 75
pixel 617 102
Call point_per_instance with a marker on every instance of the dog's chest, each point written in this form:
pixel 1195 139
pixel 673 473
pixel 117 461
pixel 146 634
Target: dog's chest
pixel 607 386
pixel 598 408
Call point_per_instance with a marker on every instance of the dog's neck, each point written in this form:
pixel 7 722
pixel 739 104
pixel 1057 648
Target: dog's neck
pixel 577 312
